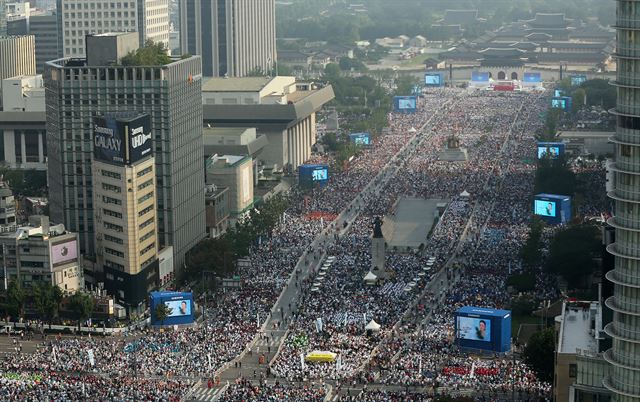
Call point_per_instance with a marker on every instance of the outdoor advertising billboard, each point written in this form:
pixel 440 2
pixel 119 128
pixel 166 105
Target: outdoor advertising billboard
pixel 476 329
pixel 313 175
pixel 578 79
pixel 479 76
pixel 482 328
pixel 532 78
pixel 122 140
pixel 180 304
pixel 552 208
pixel 552 150
pixel 433 79
pixel 63 253
pixel 405 104
pixel 360 138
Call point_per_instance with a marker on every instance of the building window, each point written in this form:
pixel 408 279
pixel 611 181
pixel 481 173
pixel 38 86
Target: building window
pixel 113 239
pixel 147 236
pixel 145 211
pixel 110 187
pixel 144 171
pixel 146 223
pixel 111 226
pixel 112 175
pixel 109 200
pixel 149 247
pixel 113 265
pixel 145 184
pixel 108 212
pixel 114 252
pixel 573 370
pixel 145 197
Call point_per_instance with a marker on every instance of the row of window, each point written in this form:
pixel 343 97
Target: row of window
pixel 111 226
pixel 145 184
pixel 147 236
pixel 113 175
pixel 114 252
pixel 145 211
pixel 145 197
pixel 114 214
pixel 109 200
pixel 113 239
pixel 111 187
pixel 146 249
pixel 146 223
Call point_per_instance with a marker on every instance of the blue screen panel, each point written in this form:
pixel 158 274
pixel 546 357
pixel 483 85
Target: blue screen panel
pixel 474 329
pixel 545 208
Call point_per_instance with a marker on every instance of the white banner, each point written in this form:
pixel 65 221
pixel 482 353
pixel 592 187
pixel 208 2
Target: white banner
pixel 92 360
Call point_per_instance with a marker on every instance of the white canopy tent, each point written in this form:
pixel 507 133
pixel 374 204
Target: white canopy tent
pixel 372 326
pixel 370 278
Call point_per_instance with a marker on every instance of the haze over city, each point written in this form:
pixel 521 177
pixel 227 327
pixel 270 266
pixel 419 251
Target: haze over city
pixel 320 200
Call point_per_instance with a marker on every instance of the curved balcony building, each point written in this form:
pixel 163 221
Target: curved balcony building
pixel 624 356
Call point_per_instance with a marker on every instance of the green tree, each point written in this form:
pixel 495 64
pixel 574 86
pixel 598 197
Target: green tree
pixel 81 304
pixel 405 84
pixel 578 99
pixel 554 177
pixel 332 72
pixel 47 298
pixel 600 92
pixel 530 253
pixel 572 252
pixel 539 353
pixel 151 54
pixel 15 300
pixel 161 312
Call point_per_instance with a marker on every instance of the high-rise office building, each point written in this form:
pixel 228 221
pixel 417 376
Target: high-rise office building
pixel 17 57
pixel 624 356
pixel 3 18
pixel 234 37
pixel 77 90
pixel 124 200
pixel 44 28
pixel 78 18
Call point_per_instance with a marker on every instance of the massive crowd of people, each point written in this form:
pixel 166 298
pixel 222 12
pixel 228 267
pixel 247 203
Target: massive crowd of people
pixel 484 228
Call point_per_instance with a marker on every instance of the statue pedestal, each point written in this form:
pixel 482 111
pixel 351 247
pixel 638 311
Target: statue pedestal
pixel 453 155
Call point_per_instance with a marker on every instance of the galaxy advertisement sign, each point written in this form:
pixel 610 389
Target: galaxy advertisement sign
pixel 108 140
pixel 122 141
pixel 63 253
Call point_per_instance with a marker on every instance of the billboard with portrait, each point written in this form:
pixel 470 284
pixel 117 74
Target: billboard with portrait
pixel 181 305
pixel 545 208
pixel 433 79
pixel 63 253
pixel 474 329
pixel 405 104
pixel 178 307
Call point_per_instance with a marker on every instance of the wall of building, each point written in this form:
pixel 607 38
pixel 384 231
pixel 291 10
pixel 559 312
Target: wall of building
pixel 171 95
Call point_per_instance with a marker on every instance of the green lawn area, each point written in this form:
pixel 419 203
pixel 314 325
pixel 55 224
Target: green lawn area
pixel 516 320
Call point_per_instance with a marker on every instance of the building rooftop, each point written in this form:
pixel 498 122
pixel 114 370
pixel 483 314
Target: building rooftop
pixel 459 17
pixel 580 324
pixel 244 84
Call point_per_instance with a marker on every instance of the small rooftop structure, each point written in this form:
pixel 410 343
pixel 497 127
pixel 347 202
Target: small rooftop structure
pixel 580 327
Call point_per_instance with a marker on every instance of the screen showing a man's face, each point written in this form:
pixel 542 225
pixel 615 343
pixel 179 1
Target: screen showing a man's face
pixel 545 208
pixel 179 307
